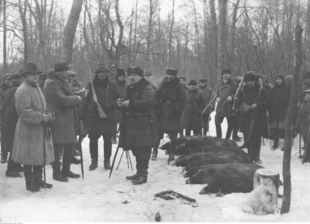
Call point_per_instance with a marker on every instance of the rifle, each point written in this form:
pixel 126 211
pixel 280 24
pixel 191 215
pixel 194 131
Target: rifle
pixel 79 147
pixel 212 101
pixel 237 93
pixel 99 108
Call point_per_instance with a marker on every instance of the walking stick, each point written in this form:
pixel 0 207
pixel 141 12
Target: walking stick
pixel 306 146
pixel 79 146
pixel 44 170
pixel 120 160
pixel 130 160
pixel 114 160
pixel 299 146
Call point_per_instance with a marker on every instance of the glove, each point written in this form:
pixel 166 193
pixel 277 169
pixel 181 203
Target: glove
pixel 47 117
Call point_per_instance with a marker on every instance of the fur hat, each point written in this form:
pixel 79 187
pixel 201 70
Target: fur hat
pixel 61 66
pixel 171 71
pixel 102 69
pixel 224 71
pixel 135 70
pixel 31 68
pixel 250 76
pixel 120 72
pixel 192 82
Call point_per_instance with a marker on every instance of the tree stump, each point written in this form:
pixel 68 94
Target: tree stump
pixel 264 197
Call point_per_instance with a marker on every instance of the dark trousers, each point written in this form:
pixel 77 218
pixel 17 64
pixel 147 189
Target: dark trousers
pixel 275 135
pixel 307 149
pixel 173 141
pixel 29 170
pixel 196 132
pixel 12 166
pixel 93 146
pixel 68 149
pixel 253 145
pixel 143 155
pixel 218 122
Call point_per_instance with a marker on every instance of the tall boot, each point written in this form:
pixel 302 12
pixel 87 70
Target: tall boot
pixel 94 164
pixel 38 179
pixel 134 176
pixel 141 179
pixel 29 178
pixel 155 151
pixel 4 157
pixel 106 163
pixel 67 162
pixel 57 175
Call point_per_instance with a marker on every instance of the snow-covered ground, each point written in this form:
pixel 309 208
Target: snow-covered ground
pixel 99 198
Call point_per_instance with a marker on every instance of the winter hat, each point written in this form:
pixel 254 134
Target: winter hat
pixel 71 73
pixel 192 82
pixel 289 78
pixel 120 72
pixel 102 69
pixel 171 71
pixel 61 66
pixel 250 76
pixel 182 78
pixel 203 80
pixel 31 68
pixel 224 71
pixel 135 70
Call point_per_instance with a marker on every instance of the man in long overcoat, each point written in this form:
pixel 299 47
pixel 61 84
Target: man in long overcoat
pixel 138 130
pixel 191 117
pixel 62 101
pixel 207 94
pixel 9 124
pixel 107 95
pixel 254 118
pixel 225 94
pixel 31 147
pixel 171 99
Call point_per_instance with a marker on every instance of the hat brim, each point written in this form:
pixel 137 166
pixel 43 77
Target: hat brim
pixel 31 73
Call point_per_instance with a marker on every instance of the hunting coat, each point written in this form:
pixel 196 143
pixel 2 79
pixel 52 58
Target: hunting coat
pixel 62 101
pixel 224 108
pixel 29 141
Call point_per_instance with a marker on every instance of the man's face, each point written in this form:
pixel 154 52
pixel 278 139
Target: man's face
pixel 170 77
pixel 8 81
pixel 42 81
pixel 103 75
pixel 250 83
pixel 289 82
pixel 226 76
pixel 278 81
pixel 183 81
pixel 134 78
pixel 32 78
pixel 120 78
pixel 192 87
pixel 202 84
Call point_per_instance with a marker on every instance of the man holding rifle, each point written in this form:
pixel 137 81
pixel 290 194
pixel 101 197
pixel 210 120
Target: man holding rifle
pixel 252 103
pixel 225 94
pixel 98 111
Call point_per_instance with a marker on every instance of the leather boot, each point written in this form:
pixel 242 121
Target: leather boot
pixel 133 176
pixel 30 183
pixel 60 177
pixel 106 163
pixel 141 179
pixel 71 174
pixel 171 157
pixel 38 179
pixel 94 164
pixel 4 157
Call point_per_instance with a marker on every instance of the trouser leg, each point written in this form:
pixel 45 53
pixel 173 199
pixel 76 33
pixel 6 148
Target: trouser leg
pixel 107 146
pixel 56 164
pixel 68 151
pixel 256 147
pixel 197 132
pixel 187 132
pixel 218 122
pixel 93 146
pixel 230 124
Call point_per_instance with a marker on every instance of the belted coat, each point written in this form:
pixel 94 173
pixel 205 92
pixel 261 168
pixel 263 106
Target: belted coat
pixel 224 108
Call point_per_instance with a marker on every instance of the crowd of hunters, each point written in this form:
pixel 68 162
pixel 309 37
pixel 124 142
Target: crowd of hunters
pixel 46 115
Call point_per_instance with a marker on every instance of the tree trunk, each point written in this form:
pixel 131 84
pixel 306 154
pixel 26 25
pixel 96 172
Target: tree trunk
pixel 4 37
pixel 289 124
pixel 70 29
pixel 222 57
pixel 23 14
pixel 214 38
pixel 170 34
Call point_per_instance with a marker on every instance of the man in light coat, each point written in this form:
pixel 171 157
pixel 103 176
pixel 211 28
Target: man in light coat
pixel 31 147
pixel 62 101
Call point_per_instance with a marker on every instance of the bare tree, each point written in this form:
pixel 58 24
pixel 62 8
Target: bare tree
pixel 222 57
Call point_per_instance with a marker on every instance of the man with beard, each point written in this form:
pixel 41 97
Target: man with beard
pixel 225 94
pixel 191 118
pixel 171 98
pixel 9 124
pixel 7 83
pixel 62 101
pixel 280 96
pixel 107 95
pixel 121 87
pixel 139 131
pixel 31 147
pixel 253 101
pixel 207 94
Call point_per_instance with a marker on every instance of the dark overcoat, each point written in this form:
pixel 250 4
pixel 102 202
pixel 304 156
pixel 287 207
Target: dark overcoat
pixel 224 108
pixel 62 101
pixel 139 128
pixel 29 140
pixel 107 95
pixel 259 115
pixel 10 119
pixel 302 122
pixel 191 118
pixel 280 96
pixel 121 87
pixel 171 100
